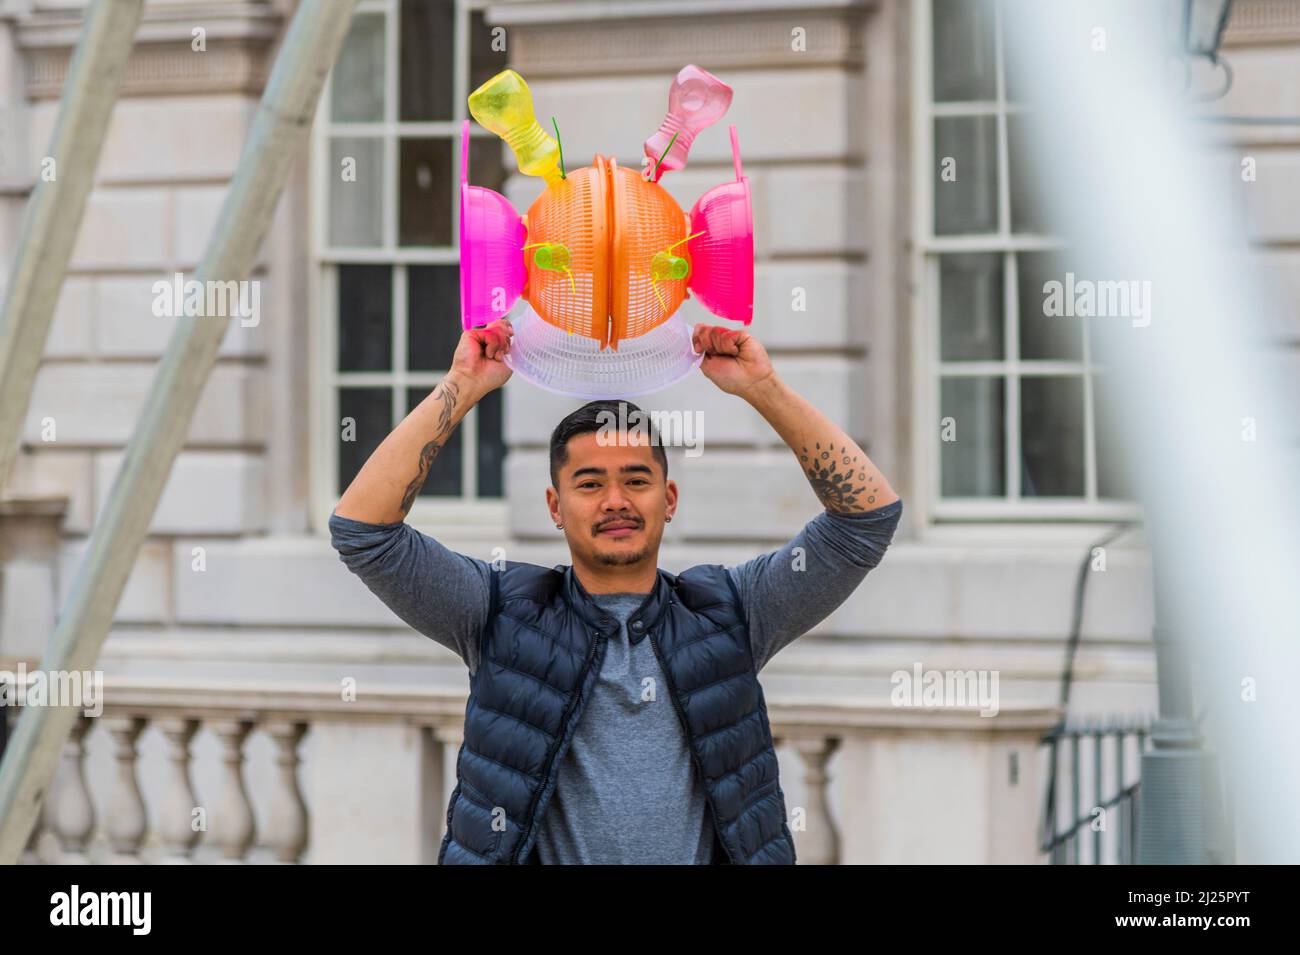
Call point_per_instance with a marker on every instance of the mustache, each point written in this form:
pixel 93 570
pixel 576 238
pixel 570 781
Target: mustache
pixel 627 519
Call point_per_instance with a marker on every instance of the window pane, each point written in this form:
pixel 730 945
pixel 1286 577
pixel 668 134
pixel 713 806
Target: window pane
pixel 356 192
pixel 365 318
pixel 1030 165
pixel 487 50
pixel 1113 479
pixel 965 175
pixel 1020 86
pixel 1014 90
pixel 427 64
pixel 1028 213
pixel 1051 437
pixel 963 50
pixel 491 445
pixel 425 192
pixel 1047 330
pixel 970 307
pixel 365 418
pixel 432 316
pixel 488 164
pixel 973 449
pixel 444 474
pixel 357 90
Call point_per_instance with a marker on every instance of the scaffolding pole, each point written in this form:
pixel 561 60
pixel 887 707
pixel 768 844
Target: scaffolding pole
pixel 279 130
pixel 54 211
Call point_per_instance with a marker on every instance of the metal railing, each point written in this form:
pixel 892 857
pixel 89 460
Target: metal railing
pixel 1090 815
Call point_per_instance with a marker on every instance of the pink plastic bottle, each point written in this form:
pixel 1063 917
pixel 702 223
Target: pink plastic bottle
pixel 696 100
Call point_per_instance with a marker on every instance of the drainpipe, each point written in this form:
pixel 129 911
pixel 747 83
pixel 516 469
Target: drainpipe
pixel 1180 814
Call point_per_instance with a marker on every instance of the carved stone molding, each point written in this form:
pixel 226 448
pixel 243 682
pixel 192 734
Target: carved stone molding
pixel 1262 21
pixel 239 40
pixel 597 38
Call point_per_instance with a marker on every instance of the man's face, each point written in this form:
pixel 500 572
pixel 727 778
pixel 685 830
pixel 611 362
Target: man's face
pixel 612 499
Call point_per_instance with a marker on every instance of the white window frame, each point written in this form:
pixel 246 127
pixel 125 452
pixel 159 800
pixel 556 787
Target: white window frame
pixel 928 369
pixel 471 517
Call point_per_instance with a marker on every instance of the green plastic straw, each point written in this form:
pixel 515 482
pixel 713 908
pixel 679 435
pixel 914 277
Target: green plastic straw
pixel 655 173
pixel 559 145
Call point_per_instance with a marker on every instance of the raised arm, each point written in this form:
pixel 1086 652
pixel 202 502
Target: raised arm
pixel 442 594
pixel 841 474
pixel 788 591
pixel 386 486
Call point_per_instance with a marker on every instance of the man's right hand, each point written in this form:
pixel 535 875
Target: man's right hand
pixel 480 356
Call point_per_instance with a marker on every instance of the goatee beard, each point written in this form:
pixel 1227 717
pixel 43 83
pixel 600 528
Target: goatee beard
pixel 618 560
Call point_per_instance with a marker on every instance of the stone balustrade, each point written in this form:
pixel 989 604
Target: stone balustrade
pixel 368 778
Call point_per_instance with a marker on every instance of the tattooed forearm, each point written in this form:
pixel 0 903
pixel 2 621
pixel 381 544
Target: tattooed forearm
pixel 427 454
pixel 384 489
pixel 446 421
pixel 446 415
pixel 840 479
pixel 842 476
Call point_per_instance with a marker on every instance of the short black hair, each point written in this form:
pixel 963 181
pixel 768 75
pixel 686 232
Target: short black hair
pixel 593 417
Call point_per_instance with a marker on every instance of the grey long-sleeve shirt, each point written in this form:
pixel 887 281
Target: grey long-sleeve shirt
pixel 626 791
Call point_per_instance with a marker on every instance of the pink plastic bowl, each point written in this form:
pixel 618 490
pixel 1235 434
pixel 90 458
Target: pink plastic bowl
pixel 492 234
pixel 722 259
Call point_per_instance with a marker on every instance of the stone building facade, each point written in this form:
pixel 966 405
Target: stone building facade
pixel 239 622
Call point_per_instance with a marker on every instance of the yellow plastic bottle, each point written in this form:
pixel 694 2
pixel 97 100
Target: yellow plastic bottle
pixel 504 105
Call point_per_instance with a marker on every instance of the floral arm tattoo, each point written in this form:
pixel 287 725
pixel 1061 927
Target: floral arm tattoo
pixel 839 478
pixel 446 417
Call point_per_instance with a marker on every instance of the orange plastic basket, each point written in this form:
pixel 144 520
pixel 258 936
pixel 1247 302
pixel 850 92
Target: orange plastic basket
pixel 573 212
pixel 647 220
pixel 611 222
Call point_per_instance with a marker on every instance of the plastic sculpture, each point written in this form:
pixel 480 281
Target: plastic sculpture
pixel 605 256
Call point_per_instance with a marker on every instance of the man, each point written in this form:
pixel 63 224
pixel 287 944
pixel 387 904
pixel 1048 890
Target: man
pixel 615 714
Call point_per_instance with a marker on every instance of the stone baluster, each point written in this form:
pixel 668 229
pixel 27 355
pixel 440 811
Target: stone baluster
pixel 450 737
pixel 32 852
pixel 819 842
pixel 178 827
pixel 127 822
pixel 287 817
pixel 72 816
pixel 232 817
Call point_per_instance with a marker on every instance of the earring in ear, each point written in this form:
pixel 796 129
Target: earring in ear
pixel 559 527
pixel 668 519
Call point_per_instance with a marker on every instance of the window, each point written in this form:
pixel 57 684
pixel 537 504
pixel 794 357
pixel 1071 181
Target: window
pixel 1009 426
pixel 386 186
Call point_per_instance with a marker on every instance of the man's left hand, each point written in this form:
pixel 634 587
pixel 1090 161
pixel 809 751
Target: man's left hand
pixel 734 360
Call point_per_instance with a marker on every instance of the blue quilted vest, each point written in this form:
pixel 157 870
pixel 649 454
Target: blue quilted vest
pixel 542 654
